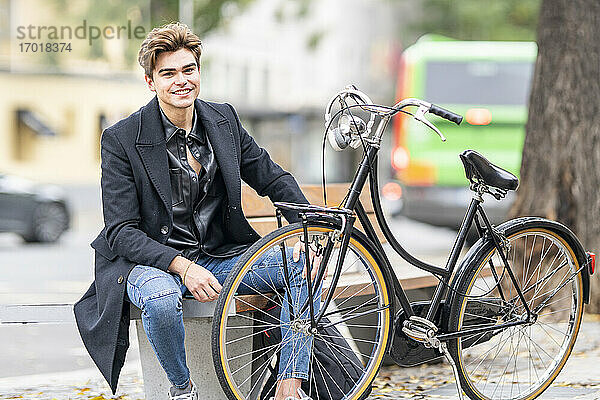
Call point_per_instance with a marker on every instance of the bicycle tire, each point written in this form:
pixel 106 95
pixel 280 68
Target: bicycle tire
pixel 517 362
pixel 226 325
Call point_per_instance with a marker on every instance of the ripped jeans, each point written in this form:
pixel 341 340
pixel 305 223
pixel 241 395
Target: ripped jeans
pixel 158 294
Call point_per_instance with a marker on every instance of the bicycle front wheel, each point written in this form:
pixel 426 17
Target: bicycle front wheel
pixel 521 361
pixel 261 334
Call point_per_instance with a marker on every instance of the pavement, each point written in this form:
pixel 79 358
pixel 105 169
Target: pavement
pixel 579 380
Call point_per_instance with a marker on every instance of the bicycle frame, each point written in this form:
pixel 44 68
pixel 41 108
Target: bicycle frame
pixel 352 208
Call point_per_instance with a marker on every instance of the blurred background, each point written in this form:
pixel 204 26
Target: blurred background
pixel 69 69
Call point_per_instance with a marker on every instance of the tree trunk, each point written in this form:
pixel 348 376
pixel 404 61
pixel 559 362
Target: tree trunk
pixel 560 171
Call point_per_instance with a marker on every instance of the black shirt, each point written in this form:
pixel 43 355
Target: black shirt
pixel 190 216
pixel 198 199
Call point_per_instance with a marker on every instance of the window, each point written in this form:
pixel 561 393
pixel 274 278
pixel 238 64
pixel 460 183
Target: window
pixel 478 83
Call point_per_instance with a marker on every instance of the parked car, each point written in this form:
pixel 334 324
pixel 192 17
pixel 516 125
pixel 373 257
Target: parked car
pixel 37 212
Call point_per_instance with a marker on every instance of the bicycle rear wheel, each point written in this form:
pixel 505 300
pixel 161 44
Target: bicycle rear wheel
pixel 249 329
pixel 517 362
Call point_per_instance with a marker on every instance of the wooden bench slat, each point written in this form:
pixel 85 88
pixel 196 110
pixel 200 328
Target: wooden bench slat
pixel 344 290
pixel 257 206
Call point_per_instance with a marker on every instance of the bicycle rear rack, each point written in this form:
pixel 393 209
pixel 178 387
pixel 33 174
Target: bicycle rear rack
pixel 304 208
pixel 332 215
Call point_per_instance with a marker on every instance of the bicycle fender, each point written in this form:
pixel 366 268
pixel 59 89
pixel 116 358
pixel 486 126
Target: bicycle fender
pixel 513 225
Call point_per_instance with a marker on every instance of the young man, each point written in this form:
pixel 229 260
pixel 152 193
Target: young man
pixel 171 201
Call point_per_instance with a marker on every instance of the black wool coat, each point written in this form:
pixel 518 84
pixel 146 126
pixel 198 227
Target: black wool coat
pixel 138 216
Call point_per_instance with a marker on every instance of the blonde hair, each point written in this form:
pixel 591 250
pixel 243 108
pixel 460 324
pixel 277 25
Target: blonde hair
pixel 169 37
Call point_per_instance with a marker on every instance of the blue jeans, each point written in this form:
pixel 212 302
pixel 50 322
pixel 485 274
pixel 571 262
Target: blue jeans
pixel 158 294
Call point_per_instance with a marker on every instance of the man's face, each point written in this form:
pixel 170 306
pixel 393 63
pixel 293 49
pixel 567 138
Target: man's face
pixel 176 78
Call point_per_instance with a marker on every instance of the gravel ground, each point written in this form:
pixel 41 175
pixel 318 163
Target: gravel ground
pixel 579 379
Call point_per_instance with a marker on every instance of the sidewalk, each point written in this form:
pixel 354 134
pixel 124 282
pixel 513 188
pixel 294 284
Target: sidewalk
pixel 579 379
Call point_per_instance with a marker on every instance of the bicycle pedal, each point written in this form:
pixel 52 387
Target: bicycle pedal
pixel 421 330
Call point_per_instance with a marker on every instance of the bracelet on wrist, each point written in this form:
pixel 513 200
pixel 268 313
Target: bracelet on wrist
pixel 186 271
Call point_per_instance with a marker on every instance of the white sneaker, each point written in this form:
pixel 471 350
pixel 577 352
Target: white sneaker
pixel 191 395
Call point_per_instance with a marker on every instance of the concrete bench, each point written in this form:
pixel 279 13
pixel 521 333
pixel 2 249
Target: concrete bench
pixel 198 327
pixel 198 316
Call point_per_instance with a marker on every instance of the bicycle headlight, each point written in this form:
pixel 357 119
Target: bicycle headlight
pixel 338 140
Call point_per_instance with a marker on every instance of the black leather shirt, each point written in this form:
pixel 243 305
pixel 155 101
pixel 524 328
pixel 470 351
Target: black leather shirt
pixel 197 198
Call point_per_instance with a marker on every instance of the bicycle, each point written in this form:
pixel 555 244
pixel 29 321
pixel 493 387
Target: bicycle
pixel 506 318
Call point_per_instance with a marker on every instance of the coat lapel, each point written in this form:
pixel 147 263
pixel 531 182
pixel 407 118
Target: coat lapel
pixel 218 130
pixel 152 147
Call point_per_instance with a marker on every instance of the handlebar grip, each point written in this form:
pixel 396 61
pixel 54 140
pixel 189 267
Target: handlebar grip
pixel 449 115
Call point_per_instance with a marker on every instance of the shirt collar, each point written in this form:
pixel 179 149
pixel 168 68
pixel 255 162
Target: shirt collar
pixel 197 131
pixel 171 129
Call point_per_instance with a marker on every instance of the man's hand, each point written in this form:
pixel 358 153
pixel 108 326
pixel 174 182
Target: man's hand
pixel 314 259
pixel 201 283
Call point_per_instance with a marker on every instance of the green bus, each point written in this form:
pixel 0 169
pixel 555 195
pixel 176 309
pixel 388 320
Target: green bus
pixel 486 82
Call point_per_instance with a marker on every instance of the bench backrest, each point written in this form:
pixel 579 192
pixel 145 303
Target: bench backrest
pixel 261 213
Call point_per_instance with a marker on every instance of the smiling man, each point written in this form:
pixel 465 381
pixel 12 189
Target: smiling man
pixel 171 176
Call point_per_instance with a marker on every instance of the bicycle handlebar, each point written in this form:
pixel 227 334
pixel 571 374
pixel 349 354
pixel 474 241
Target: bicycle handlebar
pixel 446 114
pixel 384 112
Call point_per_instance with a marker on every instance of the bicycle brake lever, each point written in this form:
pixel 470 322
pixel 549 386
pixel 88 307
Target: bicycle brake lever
pixel 420 116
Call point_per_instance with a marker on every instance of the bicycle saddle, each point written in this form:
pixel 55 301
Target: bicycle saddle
pixel 479 169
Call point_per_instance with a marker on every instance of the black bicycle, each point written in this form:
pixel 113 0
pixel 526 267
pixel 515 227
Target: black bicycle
pixel 506 317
